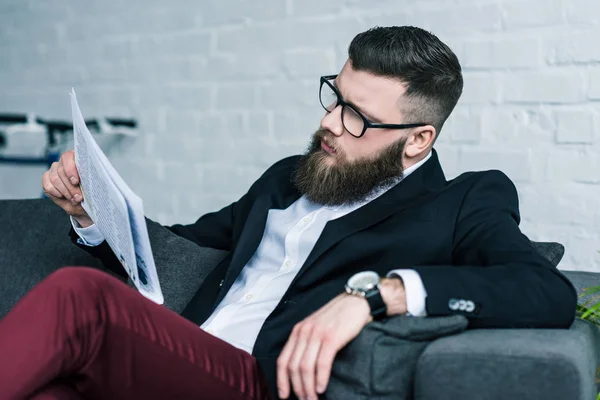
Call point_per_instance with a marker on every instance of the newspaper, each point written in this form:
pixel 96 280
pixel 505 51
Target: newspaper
pixel 115 209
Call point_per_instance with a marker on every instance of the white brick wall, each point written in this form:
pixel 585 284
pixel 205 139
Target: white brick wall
pixel 223 88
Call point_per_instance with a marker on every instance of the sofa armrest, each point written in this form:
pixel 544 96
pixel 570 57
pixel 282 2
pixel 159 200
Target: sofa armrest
pixel 511 364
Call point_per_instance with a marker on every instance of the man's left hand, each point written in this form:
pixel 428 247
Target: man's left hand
pixel 307 358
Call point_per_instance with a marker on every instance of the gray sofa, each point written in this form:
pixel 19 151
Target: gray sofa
pixel 441 360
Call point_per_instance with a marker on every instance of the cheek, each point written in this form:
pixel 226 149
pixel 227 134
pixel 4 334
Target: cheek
pixel 360 149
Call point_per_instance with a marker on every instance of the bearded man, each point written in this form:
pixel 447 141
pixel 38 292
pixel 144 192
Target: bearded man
pixel 363 226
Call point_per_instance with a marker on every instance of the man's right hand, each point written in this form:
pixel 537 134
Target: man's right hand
pixel 61 185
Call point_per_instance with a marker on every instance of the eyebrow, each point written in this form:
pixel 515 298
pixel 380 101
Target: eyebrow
pixel 370 117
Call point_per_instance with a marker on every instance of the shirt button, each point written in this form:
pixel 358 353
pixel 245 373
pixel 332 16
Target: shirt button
pixel 248 296
pixel 287 264
pixel 306 220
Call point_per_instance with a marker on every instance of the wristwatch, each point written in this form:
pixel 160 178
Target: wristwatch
pixel 366 284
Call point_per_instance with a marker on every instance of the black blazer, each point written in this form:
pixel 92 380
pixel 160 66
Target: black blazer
pixel 461 236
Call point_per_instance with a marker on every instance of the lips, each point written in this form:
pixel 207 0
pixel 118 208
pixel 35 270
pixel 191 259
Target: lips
pixel 327 148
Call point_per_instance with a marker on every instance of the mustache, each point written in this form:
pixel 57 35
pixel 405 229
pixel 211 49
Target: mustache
pixel 322 134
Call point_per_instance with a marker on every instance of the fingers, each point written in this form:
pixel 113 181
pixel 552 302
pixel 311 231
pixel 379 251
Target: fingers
pixel 308 366
pixel 283 379
pixel 49 188
pixel 67 160
pixel 72 189
pixel 298 362
pixel 295 370
pixel 57 183
pixel 327 353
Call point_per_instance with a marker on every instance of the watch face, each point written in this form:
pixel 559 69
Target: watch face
pixel 364 281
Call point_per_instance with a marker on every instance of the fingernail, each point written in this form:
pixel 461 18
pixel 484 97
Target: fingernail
pixel 73 180
pixel 76 198
pixel 281 394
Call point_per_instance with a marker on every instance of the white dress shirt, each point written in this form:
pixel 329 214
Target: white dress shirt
pixel 288 239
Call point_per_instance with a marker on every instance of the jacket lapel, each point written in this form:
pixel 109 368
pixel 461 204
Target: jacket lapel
pixel 282 195
pixel 424 182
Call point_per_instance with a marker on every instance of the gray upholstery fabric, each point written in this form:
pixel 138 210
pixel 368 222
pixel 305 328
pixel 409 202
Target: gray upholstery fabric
pixel 381 362
pixel 181 265
pixel 582 280
pixel 33 244
pixel 510 364
pixel 552 251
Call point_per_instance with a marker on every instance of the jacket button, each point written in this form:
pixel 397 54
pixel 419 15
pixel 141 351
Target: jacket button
pixel 453 304
pixel 470 306
pixel 221 283
pixel 462 305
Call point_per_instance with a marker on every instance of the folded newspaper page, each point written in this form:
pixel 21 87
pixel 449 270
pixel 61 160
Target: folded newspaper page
pixel 115 209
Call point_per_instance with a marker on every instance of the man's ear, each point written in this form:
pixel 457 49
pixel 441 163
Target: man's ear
pixel 420 140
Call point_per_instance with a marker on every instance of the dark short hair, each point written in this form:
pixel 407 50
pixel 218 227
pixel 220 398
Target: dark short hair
pixel 429 69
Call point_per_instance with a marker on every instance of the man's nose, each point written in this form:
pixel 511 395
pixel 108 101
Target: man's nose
pixel 332 122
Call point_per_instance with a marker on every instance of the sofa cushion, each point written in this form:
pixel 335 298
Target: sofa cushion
pixel 532 364
pixel 552 251
pixel 381 362
pixel 182 265
pixel 35 243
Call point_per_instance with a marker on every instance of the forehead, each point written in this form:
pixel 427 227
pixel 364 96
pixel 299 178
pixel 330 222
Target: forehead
pixel 375 95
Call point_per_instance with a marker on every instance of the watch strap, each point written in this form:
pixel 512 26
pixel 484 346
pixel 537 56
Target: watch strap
pixel 376 303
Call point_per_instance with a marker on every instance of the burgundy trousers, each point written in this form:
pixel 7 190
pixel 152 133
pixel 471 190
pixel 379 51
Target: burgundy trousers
pixel 82 334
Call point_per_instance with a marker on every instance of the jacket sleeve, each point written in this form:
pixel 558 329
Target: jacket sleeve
pixel 214 230
pixel 495 268
pixel 211 230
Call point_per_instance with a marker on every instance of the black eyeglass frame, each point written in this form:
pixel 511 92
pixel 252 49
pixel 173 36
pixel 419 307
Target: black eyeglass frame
pixel 366 123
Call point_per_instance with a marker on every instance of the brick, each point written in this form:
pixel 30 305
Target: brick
pixel 516 164
pixel 448 156
pixel 218 12
pixel 543 87
pixel 571 204
pixel 180 44
pixel 296 127
pixel 463 127
pixel 577 48
pixel 532 13
pixel 594 90
pixel 303 8
pixel 237 96
pixel 285 35
pixel 480 87
pixel 574 126
pixel 188 97
pixel 505 53
pixel 582 12
pixel 517 127
pixel 573 165
pixel 309 63
pixel 290 95
pixel 259 124
pixel 449 20
pixel 243 40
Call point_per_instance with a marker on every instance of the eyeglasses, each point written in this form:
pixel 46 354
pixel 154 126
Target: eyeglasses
pixel 354 122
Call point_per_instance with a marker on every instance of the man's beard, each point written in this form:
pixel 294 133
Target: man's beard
pixel 345 182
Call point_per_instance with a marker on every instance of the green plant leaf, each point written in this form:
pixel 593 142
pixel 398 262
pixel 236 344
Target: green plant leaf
pixel 591 310
pixel 590 290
